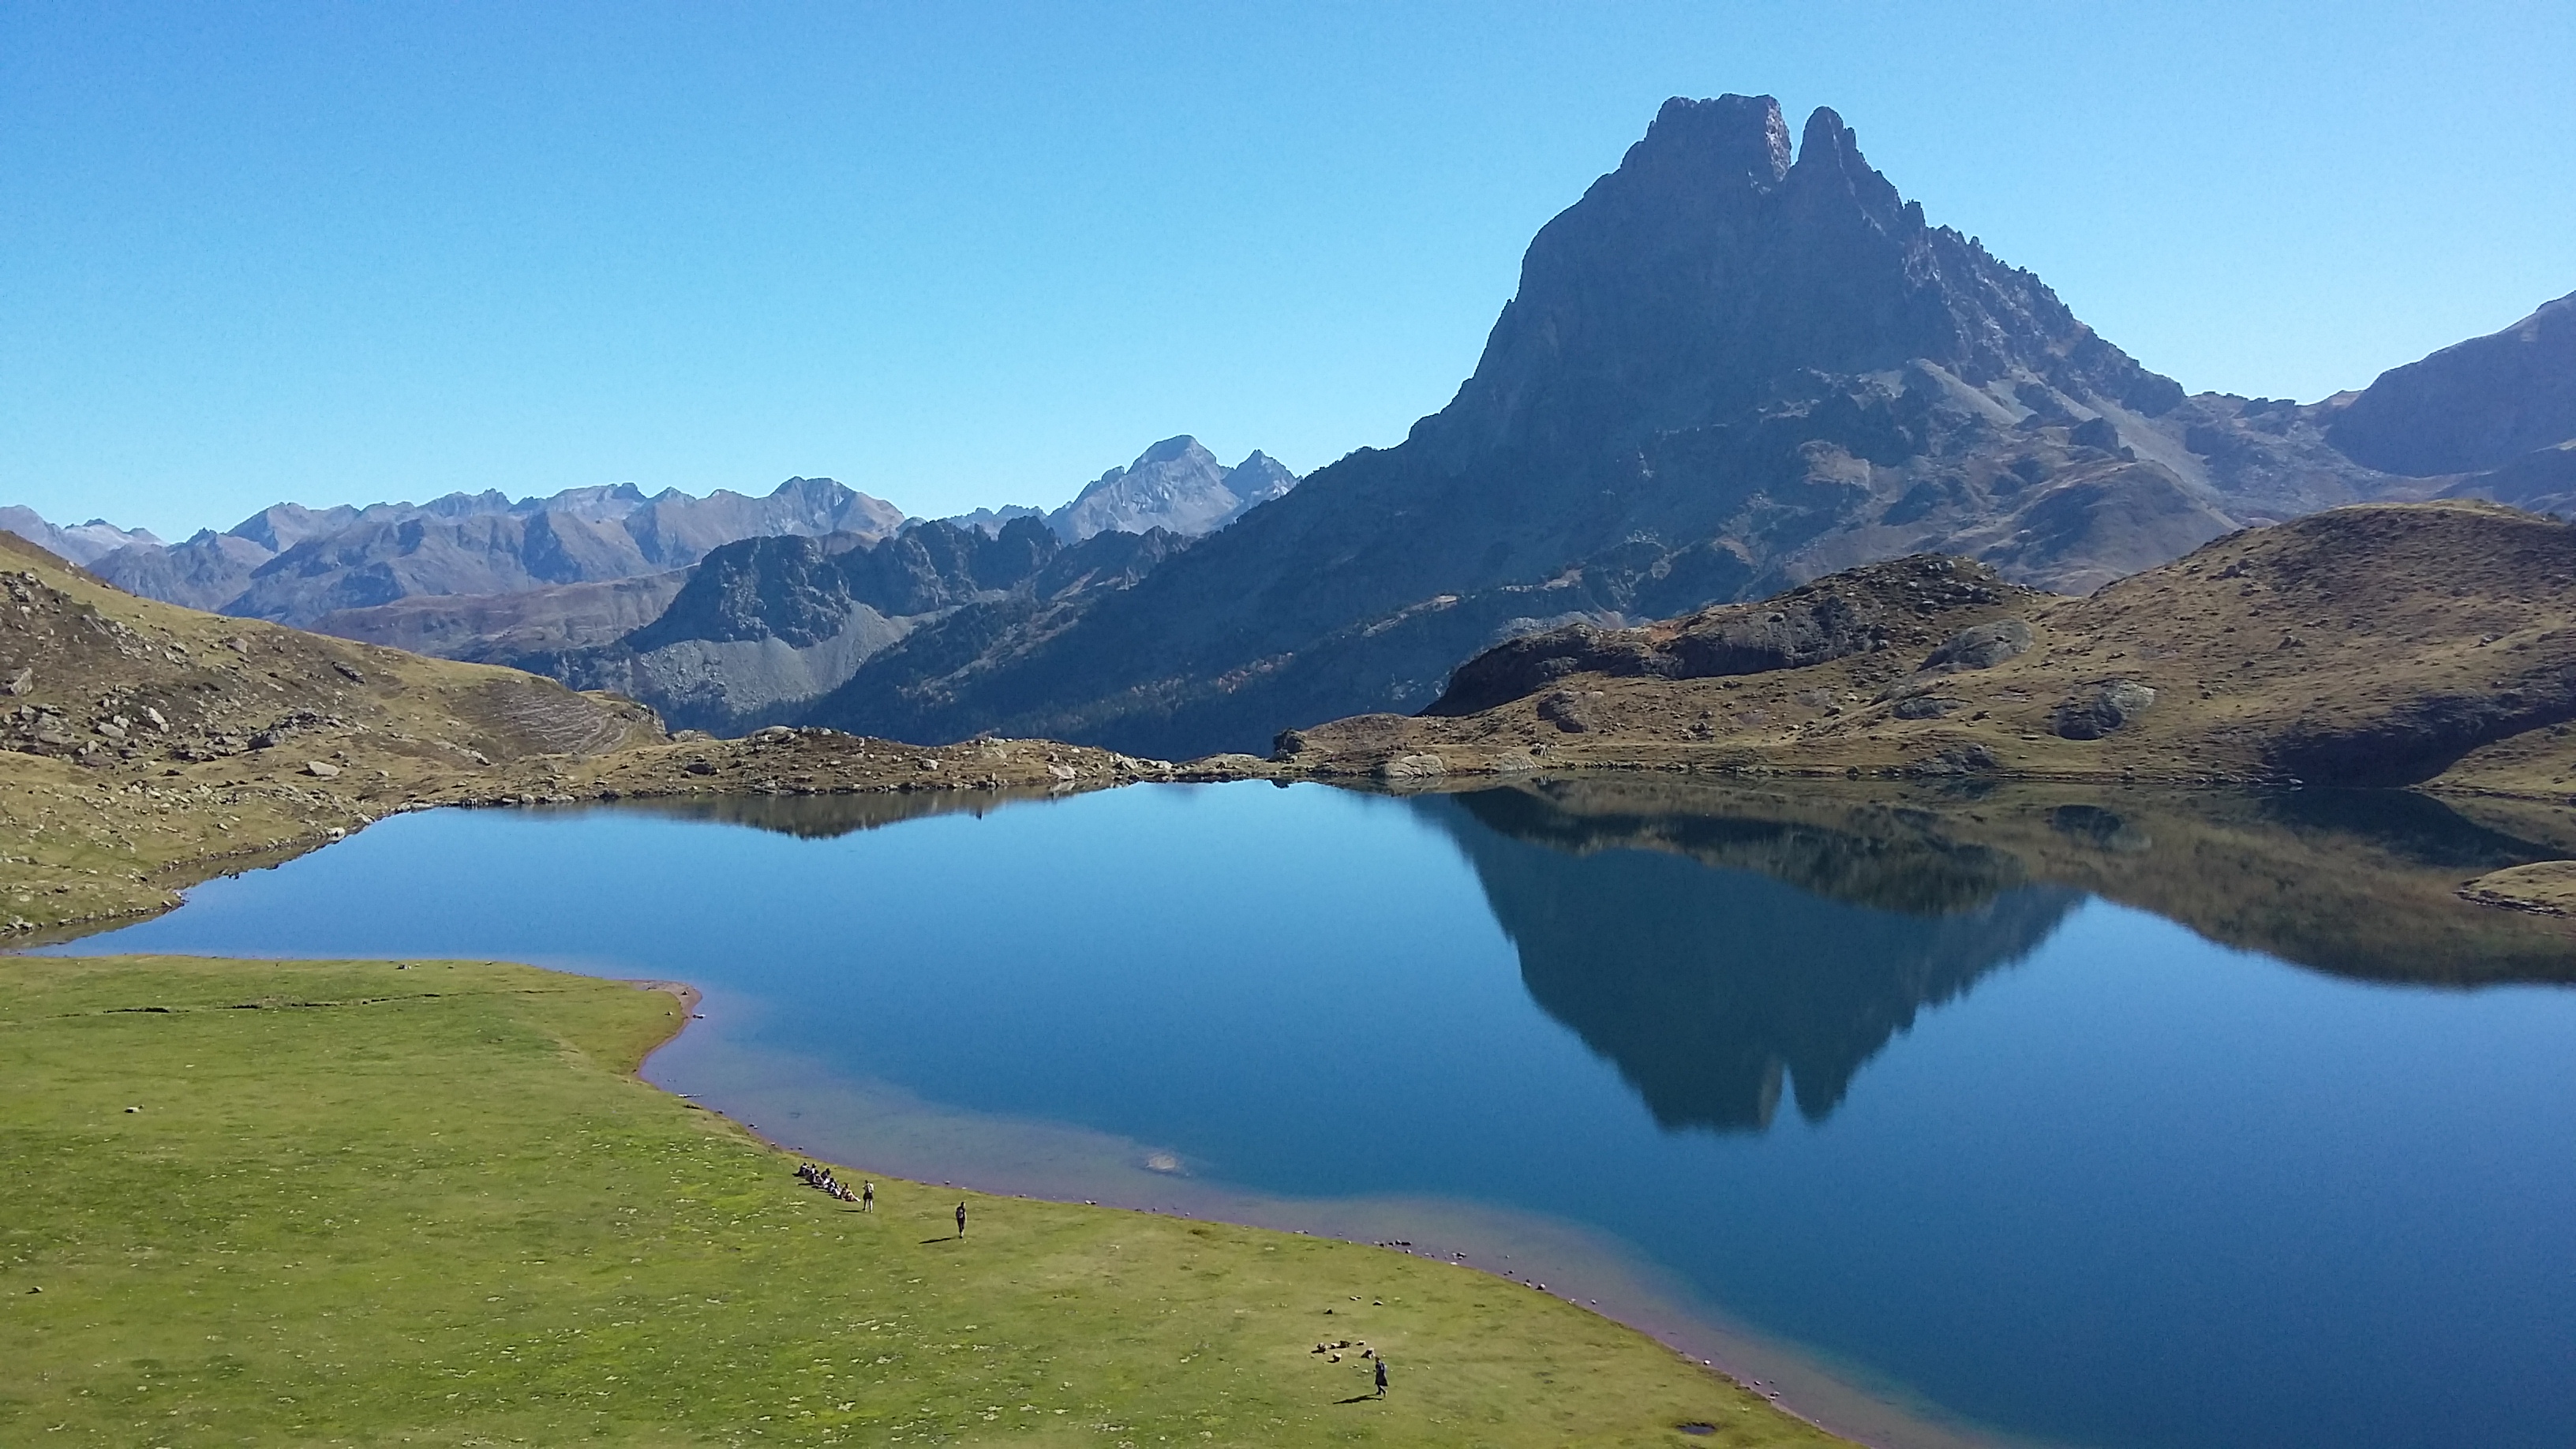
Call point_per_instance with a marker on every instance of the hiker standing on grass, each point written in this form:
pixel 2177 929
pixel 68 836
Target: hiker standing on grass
pixel 867 1197
pixel 961 1220
pixel 1381 1376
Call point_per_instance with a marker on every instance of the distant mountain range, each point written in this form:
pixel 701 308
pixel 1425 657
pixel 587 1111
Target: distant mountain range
pixel 595 584
pixel 297 565
pixel 80 543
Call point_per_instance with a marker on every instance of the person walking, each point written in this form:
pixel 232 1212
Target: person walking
pixel 961 1220
pixel 867 1197
pixel 1381 1376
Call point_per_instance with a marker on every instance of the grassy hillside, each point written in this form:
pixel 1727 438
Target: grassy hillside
pixel 150 746
pixel 371 1202
pixel 2385 645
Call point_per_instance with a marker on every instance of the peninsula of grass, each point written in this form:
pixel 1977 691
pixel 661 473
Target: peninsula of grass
pixel 430 1203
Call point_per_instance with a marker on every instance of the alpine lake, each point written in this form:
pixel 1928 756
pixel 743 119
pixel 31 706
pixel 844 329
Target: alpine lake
pixel 2001 1116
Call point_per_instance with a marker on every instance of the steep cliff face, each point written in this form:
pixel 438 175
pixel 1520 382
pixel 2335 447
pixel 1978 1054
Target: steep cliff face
pixel 1728 369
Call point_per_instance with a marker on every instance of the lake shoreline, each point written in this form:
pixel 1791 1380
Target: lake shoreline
pixel 1816 1397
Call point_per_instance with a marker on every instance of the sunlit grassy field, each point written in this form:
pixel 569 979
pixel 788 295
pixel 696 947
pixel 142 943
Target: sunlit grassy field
pixel 356 1202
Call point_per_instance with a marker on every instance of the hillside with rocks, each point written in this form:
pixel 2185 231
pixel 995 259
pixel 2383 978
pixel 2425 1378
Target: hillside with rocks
pixel 2373 646
pixel 1730 368
pixel 145 747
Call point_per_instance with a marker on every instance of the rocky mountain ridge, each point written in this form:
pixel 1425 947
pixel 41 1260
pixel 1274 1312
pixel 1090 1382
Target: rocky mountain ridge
pixel 556 583
pixel 294 565
pixel 1728 369
pixel 81 543
pixel 764 625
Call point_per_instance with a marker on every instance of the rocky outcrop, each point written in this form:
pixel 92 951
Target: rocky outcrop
pixel 1850 613
pixel 2100 709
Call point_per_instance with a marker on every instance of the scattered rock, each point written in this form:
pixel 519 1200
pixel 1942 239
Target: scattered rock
pixel 1413 767
pixel 320 769
pixel 1927 706
pixel 2106 708
pixel 19 683
pixel 351 675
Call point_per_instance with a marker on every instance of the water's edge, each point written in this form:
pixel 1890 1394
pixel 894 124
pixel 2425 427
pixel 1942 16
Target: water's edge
pixel 1064 1164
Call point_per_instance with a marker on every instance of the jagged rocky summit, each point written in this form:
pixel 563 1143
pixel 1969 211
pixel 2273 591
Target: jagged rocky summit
pixel 1177 485
pixel 1730 367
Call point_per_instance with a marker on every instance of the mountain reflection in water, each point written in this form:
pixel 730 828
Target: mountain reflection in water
pixel 1802 954
pixel 1564 1012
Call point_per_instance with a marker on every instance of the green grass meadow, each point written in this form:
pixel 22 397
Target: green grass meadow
pixel 363 1204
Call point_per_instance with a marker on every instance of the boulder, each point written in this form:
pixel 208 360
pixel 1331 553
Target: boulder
pixel 1981 647
pixel 2106 707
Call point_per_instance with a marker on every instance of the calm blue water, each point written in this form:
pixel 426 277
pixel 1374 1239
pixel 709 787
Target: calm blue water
pixel 2048 1164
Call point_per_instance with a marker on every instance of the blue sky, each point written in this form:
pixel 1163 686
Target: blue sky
pixel 968 254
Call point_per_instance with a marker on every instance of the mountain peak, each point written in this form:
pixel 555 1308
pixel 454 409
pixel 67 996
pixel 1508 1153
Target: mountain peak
pixel 1171 450
pixel 1727 139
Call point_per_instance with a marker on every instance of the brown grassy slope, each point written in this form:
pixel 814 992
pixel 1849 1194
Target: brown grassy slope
pixel 144 746
pixel 2375 645
pixel 146 743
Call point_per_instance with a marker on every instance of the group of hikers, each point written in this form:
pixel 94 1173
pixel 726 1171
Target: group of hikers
pixel 865 1197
